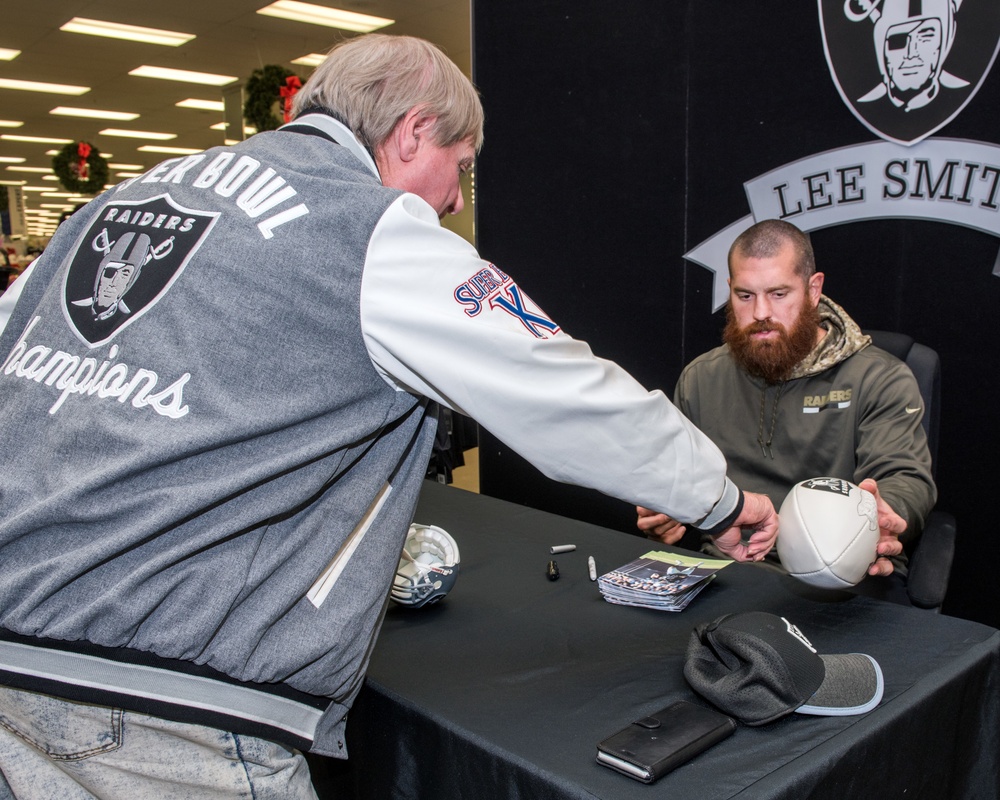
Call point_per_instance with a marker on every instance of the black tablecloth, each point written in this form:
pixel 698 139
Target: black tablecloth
pixel 504 688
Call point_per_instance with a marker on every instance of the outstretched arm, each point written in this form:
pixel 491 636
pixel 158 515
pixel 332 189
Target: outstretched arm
pixel 757 513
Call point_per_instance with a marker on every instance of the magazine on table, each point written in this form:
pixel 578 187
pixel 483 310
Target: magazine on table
pixel 659 580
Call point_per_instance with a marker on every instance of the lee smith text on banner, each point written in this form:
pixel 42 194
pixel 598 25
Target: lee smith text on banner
pixel 943 180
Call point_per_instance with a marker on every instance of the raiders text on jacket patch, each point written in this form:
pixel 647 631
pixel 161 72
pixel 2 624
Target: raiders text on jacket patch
pixel 837 398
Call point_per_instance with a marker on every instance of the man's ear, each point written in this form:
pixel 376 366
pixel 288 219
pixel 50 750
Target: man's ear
pixel 816 287
pixel 411 131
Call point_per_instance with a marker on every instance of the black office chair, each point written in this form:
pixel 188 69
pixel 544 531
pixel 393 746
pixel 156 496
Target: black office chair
pixel 932 554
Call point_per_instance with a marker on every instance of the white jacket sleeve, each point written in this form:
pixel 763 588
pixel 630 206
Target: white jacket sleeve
pixel 9 298
pixel 439 321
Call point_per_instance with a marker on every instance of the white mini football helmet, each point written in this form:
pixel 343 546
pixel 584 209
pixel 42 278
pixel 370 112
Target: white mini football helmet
pixel 428 567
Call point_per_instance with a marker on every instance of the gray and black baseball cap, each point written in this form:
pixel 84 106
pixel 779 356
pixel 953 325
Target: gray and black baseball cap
pixel 759 667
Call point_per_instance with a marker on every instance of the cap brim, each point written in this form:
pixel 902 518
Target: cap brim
pixel 853 685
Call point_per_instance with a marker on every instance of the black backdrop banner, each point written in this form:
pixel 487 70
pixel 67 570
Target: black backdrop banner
pixel 621 141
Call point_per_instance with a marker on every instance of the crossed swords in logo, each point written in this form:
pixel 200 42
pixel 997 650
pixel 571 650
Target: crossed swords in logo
pixel 102 244
pixel 857 10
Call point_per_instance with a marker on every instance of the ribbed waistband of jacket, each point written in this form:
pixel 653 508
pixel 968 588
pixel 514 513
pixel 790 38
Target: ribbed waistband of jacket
pixel 166 688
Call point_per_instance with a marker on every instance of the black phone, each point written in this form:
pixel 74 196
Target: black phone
pixel 650 747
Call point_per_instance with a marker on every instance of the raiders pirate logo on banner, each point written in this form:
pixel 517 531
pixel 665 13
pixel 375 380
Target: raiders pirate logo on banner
pixel 906 68
pixel 127 260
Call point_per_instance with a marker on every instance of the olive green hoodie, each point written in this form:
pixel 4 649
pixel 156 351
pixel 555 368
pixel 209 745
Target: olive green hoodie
pixel 849 410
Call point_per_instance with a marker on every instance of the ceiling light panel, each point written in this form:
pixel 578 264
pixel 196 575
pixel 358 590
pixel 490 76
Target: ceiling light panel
pixel 159 148
pixel 137 134
pixel 39 86
pixel 182 75
pixel 6 54
pixel 131 33
pixel 16 137
pixel 311 60
pixel 249 130
pixel 323 15
pixel 94 113
pixel 201 105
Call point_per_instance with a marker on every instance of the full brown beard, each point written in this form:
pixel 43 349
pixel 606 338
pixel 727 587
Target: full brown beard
pixel 772 359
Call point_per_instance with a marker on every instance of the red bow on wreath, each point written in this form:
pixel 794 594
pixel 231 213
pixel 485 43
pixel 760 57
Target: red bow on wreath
pixel 288 91
pixel 83 150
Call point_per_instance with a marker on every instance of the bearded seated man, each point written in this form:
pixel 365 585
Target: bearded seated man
pixel 798 391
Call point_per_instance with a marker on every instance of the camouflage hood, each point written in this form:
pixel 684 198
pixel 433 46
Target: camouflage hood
pixel 843 339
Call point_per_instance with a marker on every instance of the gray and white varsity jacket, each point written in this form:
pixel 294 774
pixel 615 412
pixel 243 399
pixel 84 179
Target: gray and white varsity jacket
pixel 215 394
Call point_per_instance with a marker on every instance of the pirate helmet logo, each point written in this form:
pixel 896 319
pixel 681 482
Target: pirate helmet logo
pixel 116 274
pixel 906 68
pixel 912 42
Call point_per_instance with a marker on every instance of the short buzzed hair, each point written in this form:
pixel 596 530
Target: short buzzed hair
pixel 371 82
pixel 767 238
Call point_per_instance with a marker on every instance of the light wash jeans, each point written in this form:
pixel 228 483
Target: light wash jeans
pixel 52 748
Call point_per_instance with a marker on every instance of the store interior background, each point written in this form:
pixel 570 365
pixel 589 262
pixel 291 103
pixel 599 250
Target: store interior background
pixel 231 39
pixel 617 138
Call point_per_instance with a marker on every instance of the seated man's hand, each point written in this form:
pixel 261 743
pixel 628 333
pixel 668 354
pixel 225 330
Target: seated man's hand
pixel 890 526
pixel 758 513
pixel 659 526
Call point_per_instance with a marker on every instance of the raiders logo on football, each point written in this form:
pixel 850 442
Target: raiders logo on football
pixel 834 485
pixel 906 68
pixel 128 258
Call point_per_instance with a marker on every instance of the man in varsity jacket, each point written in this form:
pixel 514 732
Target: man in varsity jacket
pixel 217 396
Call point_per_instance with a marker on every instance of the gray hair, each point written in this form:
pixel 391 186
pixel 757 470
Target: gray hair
pixel 371 82
pixel 768 237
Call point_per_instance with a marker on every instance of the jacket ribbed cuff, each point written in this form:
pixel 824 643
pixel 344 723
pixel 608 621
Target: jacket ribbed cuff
pixel 724 514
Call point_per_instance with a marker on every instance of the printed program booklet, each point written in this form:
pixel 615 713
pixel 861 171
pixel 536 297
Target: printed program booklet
pixel 664 581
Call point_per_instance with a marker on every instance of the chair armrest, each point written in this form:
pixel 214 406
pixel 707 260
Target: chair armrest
pixel 930 565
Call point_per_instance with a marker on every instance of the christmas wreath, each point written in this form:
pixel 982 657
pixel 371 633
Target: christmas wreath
pixel 267 86
pixel 80 167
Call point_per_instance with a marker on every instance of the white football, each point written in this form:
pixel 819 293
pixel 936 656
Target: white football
pixel 827 532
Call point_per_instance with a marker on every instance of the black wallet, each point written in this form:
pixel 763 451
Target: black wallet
pixel 652 746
